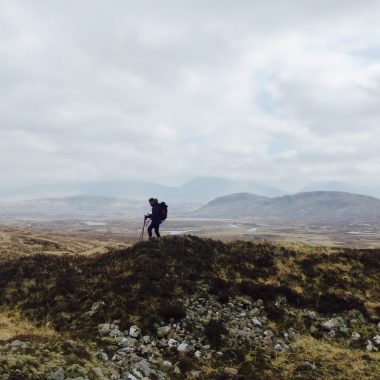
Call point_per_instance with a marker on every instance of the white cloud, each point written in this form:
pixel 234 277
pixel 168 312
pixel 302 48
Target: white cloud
pixel 278 92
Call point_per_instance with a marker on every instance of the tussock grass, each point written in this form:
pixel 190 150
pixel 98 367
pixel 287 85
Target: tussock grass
pixel 13 324
pixel 333 362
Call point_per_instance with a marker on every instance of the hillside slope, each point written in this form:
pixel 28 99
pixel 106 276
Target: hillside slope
pixel 185 307
pixel 319 207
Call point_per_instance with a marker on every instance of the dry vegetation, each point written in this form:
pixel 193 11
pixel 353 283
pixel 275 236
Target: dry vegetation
pixel 49 296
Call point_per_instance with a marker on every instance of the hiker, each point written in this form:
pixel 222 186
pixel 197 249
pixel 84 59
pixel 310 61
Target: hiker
pixel 156 217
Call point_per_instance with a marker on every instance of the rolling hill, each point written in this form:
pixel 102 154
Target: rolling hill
pixel 319 207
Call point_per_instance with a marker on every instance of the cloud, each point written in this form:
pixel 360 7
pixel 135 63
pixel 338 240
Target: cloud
pixel 278 92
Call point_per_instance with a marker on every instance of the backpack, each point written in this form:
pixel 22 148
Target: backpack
pixel 164 211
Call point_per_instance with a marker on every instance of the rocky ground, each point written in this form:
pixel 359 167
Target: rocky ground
pixel 190 308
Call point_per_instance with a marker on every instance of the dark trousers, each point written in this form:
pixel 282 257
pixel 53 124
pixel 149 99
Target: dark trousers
pixel 156 226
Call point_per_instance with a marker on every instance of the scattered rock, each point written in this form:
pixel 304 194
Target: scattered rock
pixel 331 334
pixel 17 343
pixel 163 331
pixel 355 336
pixel 312 315
pixel 173 343
pixel 256 322
pixel 306 366
pixel 142 369
pixel 104 328
pixel 96 308
pixel 376 340
pixel 183 347
pixel 101 356
pixel 59 374
pixel 134 331
pixel 369 347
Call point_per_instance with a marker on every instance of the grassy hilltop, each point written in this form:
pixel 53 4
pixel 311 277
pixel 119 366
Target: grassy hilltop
pixel 199 308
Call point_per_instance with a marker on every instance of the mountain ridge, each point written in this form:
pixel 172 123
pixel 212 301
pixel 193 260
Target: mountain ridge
pixel 201 189
pixel 306 207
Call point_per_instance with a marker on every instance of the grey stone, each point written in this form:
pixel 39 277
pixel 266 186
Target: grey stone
pixel 267 341
pixel 293 335
pixel 259 302
pixel 331 334
pixel 278 347
pixel 333 323
pixel 115 332
pixel 328 325
pixel 96 308
pixel 127 342
pixel 142 369
pixel 183 347
pixel 59 374
pixel 102 356
pixel 256 322
pixel 307 366
pixel 17 343
pixel 104 328
pixel 369 347
pixel 134 331
pixel 376 340
pixel 173 343
pixel 254 312
pixel 163 331
pixel 355 336
pixel 312 315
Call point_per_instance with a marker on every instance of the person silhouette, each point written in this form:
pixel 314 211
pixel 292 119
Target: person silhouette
pixel 155 218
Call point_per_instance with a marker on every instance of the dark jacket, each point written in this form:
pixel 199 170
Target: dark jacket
pixel 156 213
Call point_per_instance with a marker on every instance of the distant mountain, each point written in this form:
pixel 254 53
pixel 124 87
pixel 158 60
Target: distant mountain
pixel 320 207
pixel 81 206
pixel 76 205
pixel 207 188
pixel 199 190
pixel 343 187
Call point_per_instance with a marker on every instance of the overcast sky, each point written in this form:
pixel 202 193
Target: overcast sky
pixel 278 92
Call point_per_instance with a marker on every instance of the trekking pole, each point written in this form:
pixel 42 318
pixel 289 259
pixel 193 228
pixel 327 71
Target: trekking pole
pixel 142 232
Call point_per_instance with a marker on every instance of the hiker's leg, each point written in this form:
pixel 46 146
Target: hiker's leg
pixel 150 228
pixel 157 230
